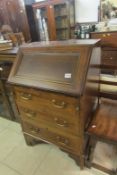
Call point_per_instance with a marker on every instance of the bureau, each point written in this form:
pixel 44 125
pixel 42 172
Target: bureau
pixel 56 87
pixel 109 48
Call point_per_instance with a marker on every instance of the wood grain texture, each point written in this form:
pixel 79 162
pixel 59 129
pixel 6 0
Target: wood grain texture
pixel 109 49
pixel 108 39
pixel 104 124
pixel 57 110
pixel 58 59
pixel 13 13
pixel 69 142
pixel 7 58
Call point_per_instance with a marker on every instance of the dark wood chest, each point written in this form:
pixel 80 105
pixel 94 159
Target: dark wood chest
pixel 56 86
pixel 109 48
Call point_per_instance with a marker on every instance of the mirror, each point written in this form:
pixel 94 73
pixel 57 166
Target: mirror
pixel 108 9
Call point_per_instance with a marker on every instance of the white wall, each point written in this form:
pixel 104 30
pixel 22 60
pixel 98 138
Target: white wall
pixel 86 10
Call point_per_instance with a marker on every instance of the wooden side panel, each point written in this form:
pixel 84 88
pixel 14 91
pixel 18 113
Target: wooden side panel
pixel 89 99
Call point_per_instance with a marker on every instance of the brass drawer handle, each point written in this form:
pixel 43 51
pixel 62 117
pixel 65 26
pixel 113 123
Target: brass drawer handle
pixel 62 141
pixel 30 114
pixel 63 124
pixel 111 58
pixel 77 108
pixel 60 106
pixel 108 34
pixel 35 130
pixel 26 96
pixel 104 35
pixel 1 69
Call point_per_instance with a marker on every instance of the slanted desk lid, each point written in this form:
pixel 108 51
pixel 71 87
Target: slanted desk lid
pixel 52 67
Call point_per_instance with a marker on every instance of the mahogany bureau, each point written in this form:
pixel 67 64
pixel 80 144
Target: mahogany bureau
pixel 109 48
pixel 56 87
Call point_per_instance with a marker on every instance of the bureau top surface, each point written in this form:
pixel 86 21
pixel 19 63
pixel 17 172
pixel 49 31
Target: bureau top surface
pixel 62 68
pixel 52 44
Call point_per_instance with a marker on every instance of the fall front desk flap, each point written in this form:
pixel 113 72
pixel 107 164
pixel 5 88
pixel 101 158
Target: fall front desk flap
pixel 59 66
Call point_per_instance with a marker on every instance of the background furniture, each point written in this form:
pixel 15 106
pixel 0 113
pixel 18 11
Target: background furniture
pixel 31 20
pixel 109 49
pixel 108 10
pixel 7 106
pixel 16 38
pixel 55 91
pixel 55 19
pixel 12 12
pixel 103 126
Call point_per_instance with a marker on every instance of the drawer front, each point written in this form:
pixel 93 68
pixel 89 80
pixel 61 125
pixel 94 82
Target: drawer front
pixel 47 102
pixel 63 123
pixel 107 38
pixel 7 57
pixel 67 142
pixel 109 57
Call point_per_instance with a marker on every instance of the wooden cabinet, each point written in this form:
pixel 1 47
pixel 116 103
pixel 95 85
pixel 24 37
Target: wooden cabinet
pixel 12 12
pixel 7 105
pixel 55 19
pixel 109 48
pixel 56 87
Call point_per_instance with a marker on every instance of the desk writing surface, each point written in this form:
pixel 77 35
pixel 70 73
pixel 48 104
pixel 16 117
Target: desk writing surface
pixel 56 66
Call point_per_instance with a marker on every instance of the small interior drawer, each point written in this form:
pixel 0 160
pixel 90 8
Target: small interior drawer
pixel 109 57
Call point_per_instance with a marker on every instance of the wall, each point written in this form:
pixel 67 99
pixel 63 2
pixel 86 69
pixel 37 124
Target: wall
pixel 114 1
pixel 86 10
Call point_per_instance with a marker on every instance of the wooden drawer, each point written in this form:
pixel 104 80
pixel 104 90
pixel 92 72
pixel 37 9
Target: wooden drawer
pixel 107 38
pixel 47 102
pixel 109 57
pixel 110 61
pixel 63 123
pixel 7 57
pixel 67 142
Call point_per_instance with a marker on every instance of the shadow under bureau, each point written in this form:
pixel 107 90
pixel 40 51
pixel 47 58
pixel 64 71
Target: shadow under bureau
pixel 56 87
